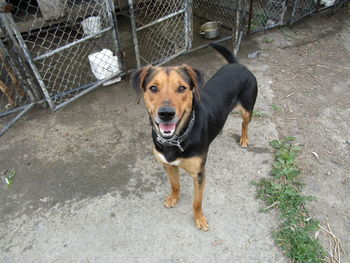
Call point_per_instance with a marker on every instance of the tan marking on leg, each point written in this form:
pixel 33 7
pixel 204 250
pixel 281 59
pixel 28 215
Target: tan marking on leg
pixel 195 167
pixel 174 178
pixel 199 218
pixel 192 165
pixel 246 116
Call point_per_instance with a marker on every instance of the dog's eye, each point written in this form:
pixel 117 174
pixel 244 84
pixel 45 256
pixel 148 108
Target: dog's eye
pixel 181 89
pixel 153 89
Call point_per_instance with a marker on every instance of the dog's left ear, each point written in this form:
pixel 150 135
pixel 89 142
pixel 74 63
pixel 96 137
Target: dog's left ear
pixel 197 79
pixel 137 79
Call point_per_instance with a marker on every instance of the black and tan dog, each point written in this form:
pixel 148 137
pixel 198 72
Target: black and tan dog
pixel 186 117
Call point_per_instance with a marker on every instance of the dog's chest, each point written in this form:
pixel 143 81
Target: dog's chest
pixel 162 158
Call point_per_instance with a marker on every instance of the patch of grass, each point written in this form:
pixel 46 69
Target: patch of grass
pixel 8 176
pixel 283 191
pixel 256 114
pixel 259 114
pixel 267 40
pixel 276 107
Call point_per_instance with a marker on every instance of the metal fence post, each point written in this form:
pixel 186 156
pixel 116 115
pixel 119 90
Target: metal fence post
pixel 237 34
pixel 115 34
pixel 10 26
pixel 15 69
pixel 134 34
pixel 188 24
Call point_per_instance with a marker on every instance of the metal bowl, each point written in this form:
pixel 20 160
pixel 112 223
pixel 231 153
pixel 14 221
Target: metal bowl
pixel 210 30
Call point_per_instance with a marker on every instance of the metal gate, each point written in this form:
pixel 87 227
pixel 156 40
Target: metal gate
pixel 16 94
pixel 161 29
pixel 72 47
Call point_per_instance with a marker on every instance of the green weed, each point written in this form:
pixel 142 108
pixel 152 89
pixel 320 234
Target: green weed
pixel 283 191
pixel 259 114
pixel 267 40
pixel 8 176
pixel 256 114
pixel 276 107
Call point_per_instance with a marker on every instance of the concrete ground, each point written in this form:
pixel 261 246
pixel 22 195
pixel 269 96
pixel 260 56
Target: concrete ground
pixel 88 189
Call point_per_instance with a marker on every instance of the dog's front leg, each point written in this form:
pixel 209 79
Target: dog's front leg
pixel 199 185
pixel 174 178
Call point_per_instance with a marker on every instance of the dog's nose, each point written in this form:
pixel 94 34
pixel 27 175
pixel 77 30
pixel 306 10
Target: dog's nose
pixel 166 113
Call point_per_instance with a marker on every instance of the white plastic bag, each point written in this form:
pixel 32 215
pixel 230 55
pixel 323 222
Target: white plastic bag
pixel 103 64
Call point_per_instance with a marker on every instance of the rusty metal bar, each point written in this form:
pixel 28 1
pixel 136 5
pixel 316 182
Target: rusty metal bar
pixel 250 15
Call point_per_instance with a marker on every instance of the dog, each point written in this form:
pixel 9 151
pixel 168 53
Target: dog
pixel 186 116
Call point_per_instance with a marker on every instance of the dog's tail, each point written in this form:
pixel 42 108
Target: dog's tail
pixel 227 54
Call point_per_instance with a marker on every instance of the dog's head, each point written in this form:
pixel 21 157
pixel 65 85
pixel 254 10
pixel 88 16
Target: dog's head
pixel 168 93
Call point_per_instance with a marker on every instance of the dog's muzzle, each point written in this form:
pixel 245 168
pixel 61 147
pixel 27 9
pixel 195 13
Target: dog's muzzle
pixel 166 121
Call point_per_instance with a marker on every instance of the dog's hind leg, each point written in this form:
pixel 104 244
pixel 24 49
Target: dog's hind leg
pixel 246 116
pixel 174 178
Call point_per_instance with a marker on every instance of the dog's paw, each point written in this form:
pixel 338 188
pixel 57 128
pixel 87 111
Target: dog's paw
pixel 171 201
pixel 201 222
pixel 244 142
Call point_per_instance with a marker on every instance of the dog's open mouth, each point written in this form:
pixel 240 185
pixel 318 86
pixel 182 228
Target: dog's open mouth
pixel 167 130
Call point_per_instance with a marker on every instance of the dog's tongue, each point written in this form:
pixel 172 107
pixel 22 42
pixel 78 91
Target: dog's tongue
pixel 167 127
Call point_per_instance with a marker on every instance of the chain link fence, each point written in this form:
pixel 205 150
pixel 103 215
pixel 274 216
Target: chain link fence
pixel 68 48
pixel 70 45
pixel 260 15
pixel 161 29
pixel 265 14
pixel 17 91
pixel 303 8
pixel 220 10
pixel 14 98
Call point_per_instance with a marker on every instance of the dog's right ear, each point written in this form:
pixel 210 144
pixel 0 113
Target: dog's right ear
pixel 137 80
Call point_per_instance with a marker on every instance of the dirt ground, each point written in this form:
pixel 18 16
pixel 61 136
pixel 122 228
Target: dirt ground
pixel 87 188
pixel 310 75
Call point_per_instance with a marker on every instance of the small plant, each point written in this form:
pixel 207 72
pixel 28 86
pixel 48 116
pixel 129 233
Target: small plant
pixel 286 154
pixel 283 191
pixel 259 114
pixel 256 114
pixel 8 176
pixel 267 40
pixel 276 107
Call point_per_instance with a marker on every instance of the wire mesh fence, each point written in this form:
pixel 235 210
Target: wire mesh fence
pixel 221 10
pixel 162 40
pixel 70 44
pixel 265 14
pixel 161 29
pixel 10 85
pixel 302 8
pixel 16 96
